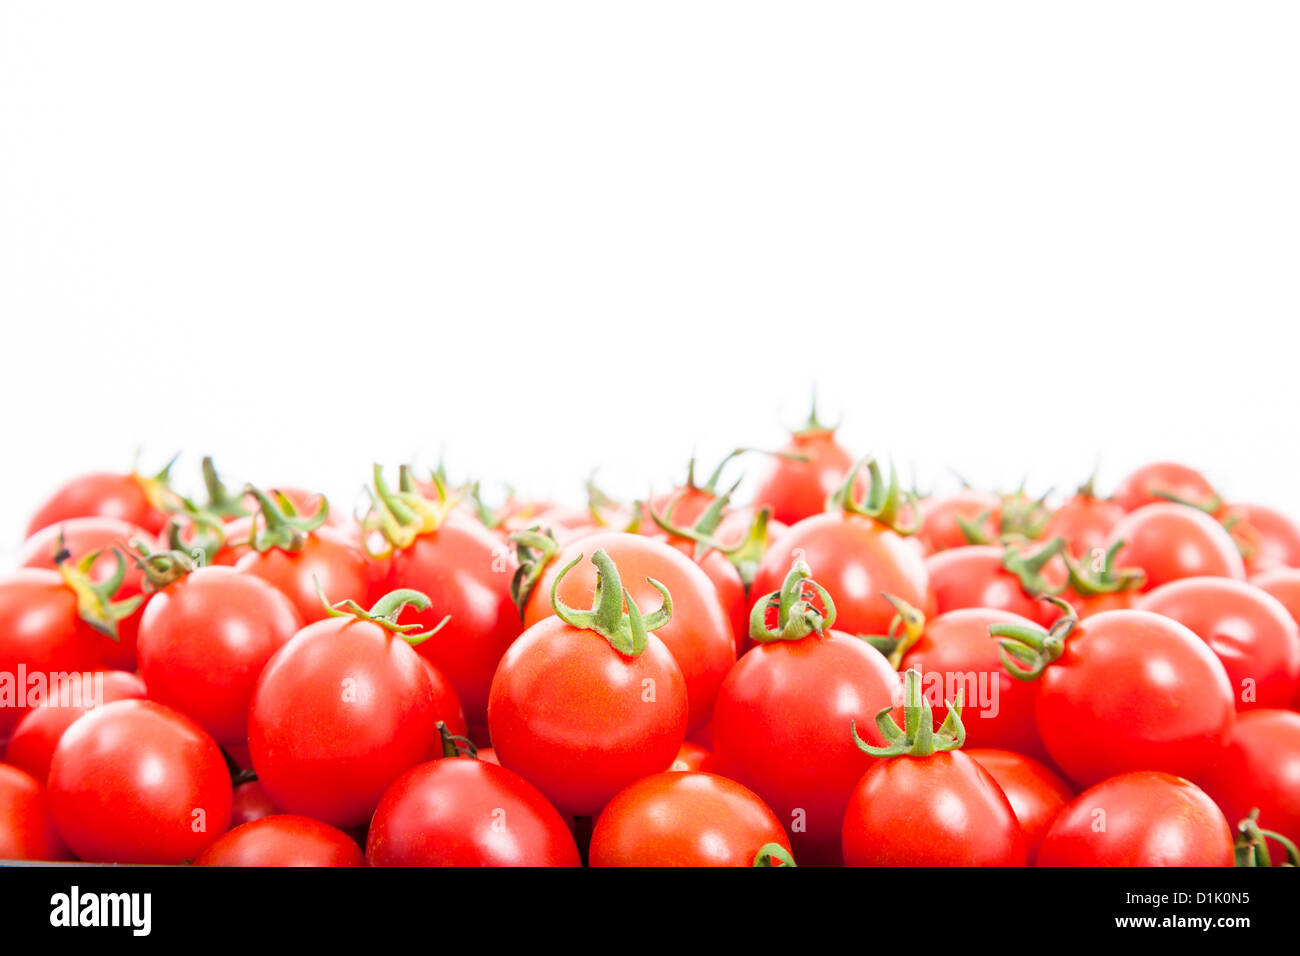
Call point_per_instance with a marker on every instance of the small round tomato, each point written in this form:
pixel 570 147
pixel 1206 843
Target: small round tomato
pixel 685 819
pixel 1164 481
pixel 34 738
pixel 1248 629
pixel 341 711
pixel 250 803
pixel 806 472
pixel 1171 541
pixel 457 811
pixel 204 639
pixel 27 830
pixel 1260 769
pixel 1283 584
pixel 1037 795
pixel 694 757
pixel 1141 818
pixel 1085 522
pixel 327 562
pixel 137 782
pixel 584 703
pixel 1006 578
pixel 283 840
pixel 1276 537
pixel 949 522
pixel 131 498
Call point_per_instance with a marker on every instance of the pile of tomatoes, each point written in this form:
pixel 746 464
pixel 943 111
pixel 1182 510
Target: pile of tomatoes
pixel 836 670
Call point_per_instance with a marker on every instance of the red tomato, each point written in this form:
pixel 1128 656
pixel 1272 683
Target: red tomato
pixel 27 830
pixel 283 840
pixel 251 803
pixel 1260 769
pixel 684 819
pixel 956 654
pixel 204 640
pixel 698 635
pixel 584 703
pixel 940 810
pixel 1276 537
pixel 795 489
pixel 137 782
pixel 1166 481
pixel 463 812
pixel 979 576
pixel 1036 794
pixel 1131 690
pixel 328 562
pixel 1248 629
pixel 1170 541
pixel 692 756
pixel 941 524
pixel 1085 522
pixel 1283 584
pixel 781 725
pixel 34 738
pixel 131 498
pixel 340 712
pixel 1142 818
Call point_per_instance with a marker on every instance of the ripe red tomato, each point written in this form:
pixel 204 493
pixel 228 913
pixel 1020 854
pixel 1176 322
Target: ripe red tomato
pixel 283 840
pixel 131 498
pixel 1036 794
pixel 205 638
pixel 796 489
pixel 1124 690
pixel 1283 584
pixel 327 562
pixel 1164 481
pixel 31 747
pixel 341 711
pixel 1085 522
pixel 781 724
pixel 1002 578
pixel 458 811
pixel 137 782
pixel 684 819
pixel 251 803
pixel 943 519
pixel 698 635
pixel 27 830
pixel 956 653
pixel 1276 537
pixel 584 703
pixel 692 756
pixel 1248 629
pixel 1260 769
pixel 1141 818
pixel 1171 541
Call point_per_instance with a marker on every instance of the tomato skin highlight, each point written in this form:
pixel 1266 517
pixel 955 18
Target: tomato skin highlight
pixel 100 494
pixel 972 576
pixel 328 556
pixel 1151 819
pixel 134 781
pixel 1085 522
pixel 569 713
pixel 1170 541
pixel 340 711
pixel 27 830
pixel 282 840
pixel 1260 768
pixel 693 756
pixel 1133 690
pixel 1248 629
pixel 782 728
pixel 940 810
pixel 684 819
pixel 457 811
pixel 1036 793
pixel 31 747
pixel 204 640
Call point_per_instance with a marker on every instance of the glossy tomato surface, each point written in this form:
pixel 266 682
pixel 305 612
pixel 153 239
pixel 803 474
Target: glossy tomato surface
pixel 1171 541
pixel 283 840
pixel 27 830
pixel 1036 793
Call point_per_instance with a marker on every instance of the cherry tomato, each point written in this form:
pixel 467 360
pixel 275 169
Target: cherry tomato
pixel 1248 629
pixel 34 738
pixel 977 576
pixel 463 812
pixel 1163 481
pixel 250 803
pixel 692 756
pixel 134 781
pixel 328 562
pixel 1170 541
pixel 283 840
pixel 1260 769
pixel 684 819
pixel 204 640
pixel 27 830
pixel 1276 537
pixel 1036 794
pixel 1283 584
pixel 131 498
pixel 796 489
pixel 1141 818
pixel 1085 522
pixel 942 519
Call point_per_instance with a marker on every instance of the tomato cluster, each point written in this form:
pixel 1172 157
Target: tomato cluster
pixel 834 671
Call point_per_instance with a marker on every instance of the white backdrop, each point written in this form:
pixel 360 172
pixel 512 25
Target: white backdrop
pixel 1004 237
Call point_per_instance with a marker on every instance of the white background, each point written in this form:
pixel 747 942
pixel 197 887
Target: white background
pixel 1008 238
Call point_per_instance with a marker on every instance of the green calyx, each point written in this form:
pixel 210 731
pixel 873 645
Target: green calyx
pixel 1102 577
pixel 813 425
pixel 1210 506
pixel 917 737
pixel 157 487
pixel 95 604
pixel 772 854
pixel 905 629
pixel 1251 848
pixel 1020 518
pixel 598 503
pixel 401 516
pixel 161 568
pixel 627 631
pixel 796 615
pixel 536 548
pixel 276 523
pixel 1033 648
pixel 884 500
pixel 221 502
pixel 385 613
pixel 744 556
pixel 455 746
pixel 1028 566
pixel 207 533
